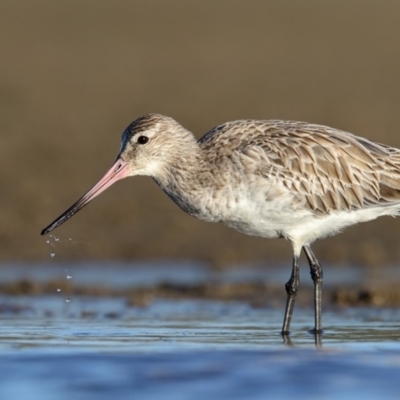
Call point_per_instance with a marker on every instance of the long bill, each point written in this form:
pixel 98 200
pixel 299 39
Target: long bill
pixel 118 171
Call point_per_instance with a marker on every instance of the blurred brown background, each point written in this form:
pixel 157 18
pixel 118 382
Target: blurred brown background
pixel 74 73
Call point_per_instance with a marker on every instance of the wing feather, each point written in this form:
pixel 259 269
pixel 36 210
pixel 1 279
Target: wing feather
pixel 325 168
pixel 333 170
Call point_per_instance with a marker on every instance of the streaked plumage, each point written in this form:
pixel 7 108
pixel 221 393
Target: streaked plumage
pixel 270 178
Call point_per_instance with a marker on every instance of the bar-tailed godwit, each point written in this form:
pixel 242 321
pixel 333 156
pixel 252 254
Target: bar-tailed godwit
pixel 274 179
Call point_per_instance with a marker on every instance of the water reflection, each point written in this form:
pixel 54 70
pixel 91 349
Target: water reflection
pixel 199 349
pixel 110 324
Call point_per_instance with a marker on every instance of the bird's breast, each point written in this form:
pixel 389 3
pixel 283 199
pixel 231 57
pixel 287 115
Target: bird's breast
pixel 249 210
pixel 250 205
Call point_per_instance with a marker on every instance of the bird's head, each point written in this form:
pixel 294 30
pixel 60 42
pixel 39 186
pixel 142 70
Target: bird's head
pixel 149 143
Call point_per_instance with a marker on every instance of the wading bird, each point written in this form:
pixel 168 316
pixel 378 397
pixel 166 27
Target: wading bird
pixel 267 178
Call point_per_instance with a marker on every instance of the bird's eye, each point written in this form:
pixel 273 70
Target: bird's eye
pixel 142 139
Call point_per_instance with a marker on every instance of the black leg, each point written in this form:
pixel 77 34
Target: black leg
pixel 317 277
pixel 291 289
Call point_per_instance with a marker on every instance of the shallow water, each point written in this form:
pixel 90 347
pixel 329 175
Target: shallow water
pixel 99 348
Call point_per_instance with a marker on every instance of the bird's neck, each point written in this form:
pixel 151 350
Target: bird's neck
pixel 185 177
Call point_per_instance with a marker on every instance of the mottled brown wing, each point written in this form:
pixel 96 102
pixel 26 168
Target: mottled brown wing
pixel 328 169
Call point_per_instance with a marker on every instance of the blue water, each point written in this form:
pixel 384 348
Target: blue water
pixel 102 348
pixel 192 350
pixel 224 374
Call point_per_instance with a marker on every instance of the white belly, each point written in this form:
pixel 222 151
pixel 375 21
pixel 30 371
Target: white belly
pixel 272 212
pixel 281 217
pixel 253 213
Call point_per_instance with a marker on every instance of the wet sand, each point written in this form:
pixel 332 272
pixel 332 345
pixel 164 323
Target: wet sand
pixel 143 284
pixel 255 294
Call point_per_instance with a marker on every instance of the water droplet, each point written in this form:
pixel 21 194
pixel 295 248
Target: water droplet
pixel 58 290
pixel 47 241
pixel 57 239
pixel 67 300
pixel 70 239
pixel 52 254
pixel 69 276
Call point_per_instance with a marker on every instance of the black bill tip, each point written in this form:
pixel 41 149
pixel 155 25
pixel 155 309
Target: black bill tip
pixel 53 225
pixel 45 231
pixel 65 216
